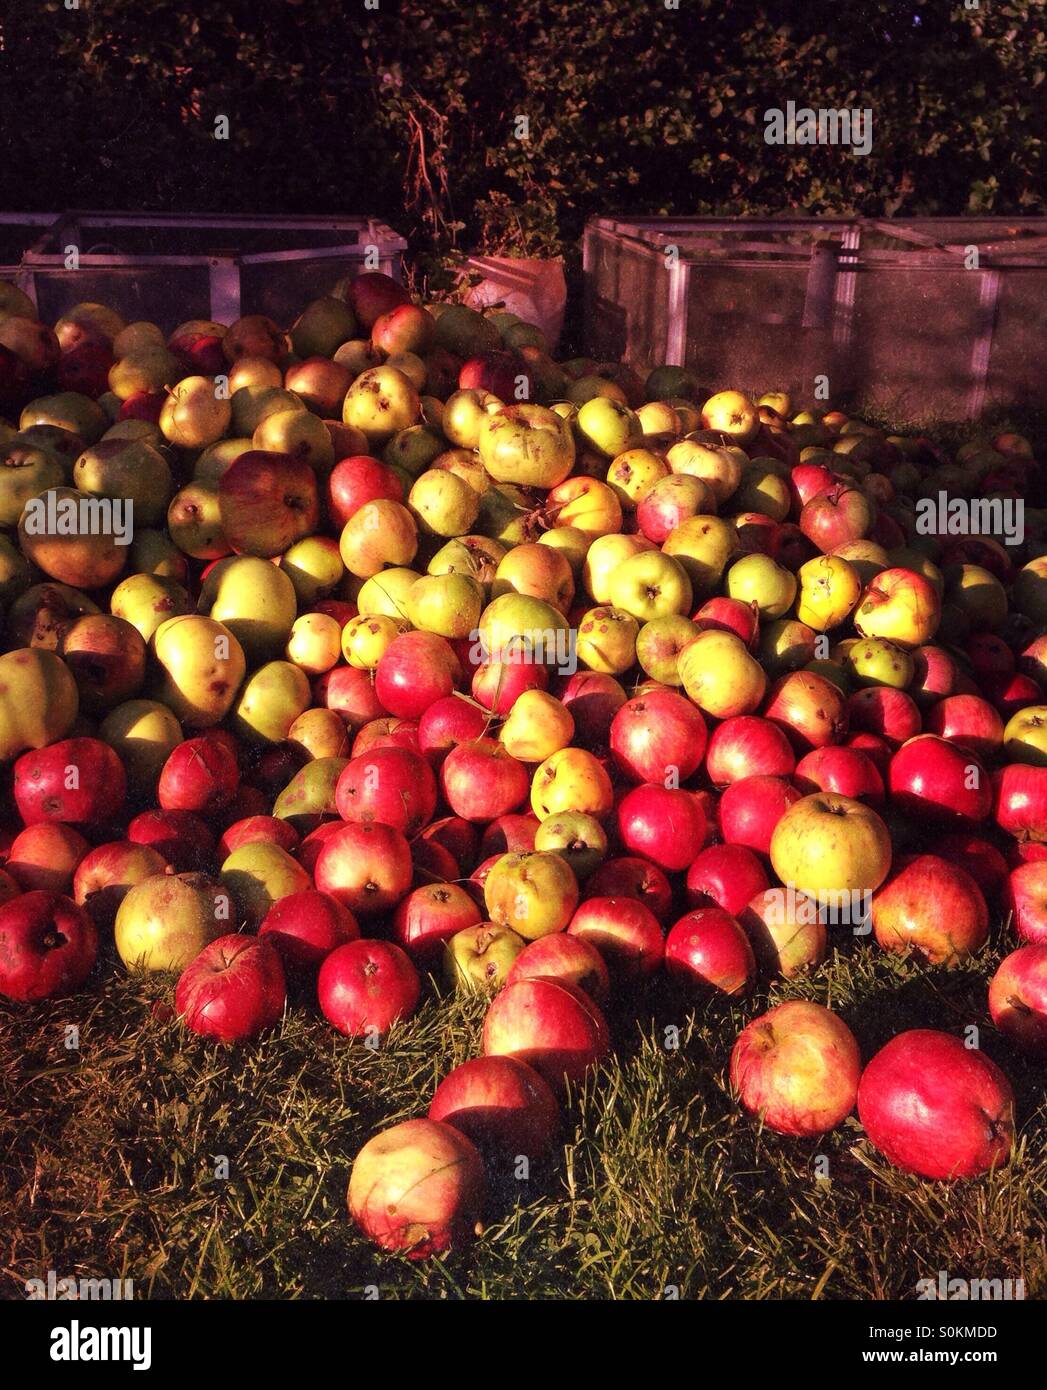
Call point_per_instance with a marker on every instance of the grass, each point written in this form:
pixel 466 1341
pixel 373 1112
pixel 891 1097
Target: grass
pixel 662 1188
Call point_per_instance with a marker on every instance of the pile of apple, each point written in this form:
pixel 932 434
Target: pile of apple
pixel 426 654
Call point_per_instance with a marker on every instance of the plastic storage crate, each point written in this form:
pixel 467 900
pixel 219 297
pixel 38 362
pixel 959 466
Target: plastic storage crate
pixel 173 268
pixel 926 318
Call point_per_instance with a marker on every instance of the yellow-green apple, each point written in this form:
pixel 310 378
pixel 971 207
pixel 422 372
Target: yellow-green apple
pixel 717 467
pixel 720 676
pixel 609 427
pixel 417 1189
pixel 107 873
pixel 578 838
pixel 571 779
pixel 201 668
pixel 25 472
pixel 659 644
pixel 537 726
pixel 253 404
pixel 587 504
pixel 633 474
pixel 464 414
pixel 146 370
pixel 315 643
pixel 538 570
pixel 258 875
pixel 604 558
pixel 194 414
pixel 127 468
pixel 533 893
pixel 32 341
pixel 66 534
pixel 900 605
pixel 270 700
pixel 143 733
pixel 650 585
pixel 827 845
pixel 320 733
pixel 731 413
pixel 297 432
pixel 41 700
pixel 194 522
pixel 378 534
pixel 322 327
pixel 757 579
pixel 380 402
pixel 797 1067
pixel 69 410
pixel 314 567
pixel 527 445
pixel 1029 590
pixel 936 1107
pixel 167 919
pixel 703 545
pixel 1025 736
pixel 829 589
pixel 478 958
pixel 447 604
pixel 443 504
pixel 254 599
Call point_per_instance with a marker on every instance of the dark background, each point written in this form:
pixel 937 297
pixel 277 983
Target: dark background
pixel 407 112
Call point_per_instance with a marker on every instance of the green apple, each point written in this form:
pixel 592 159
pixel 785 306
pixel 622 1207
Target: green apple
pixel 659 644
pixel 651 585
pixel 271 700
pixel 478 959
pixel 255 600
pixel 447 604
pixel 608 426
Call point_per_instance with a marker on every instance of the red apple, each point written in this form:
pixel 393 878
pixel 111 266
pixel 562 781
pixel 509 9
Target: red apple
pixel 457 836
pixel 233 990
pixel 656 735
pixel 626 935
pixel 367 867
pixel 108 872
pixel 935 676
pixel 730 615
pixel 846 771
pixel 932 906
pixel 372 294
pixel 386 733
pixel 448 722
pixel 77 780
pixel 890 714
pixel 1020 801
pixel 1025 898
pixel 267 501
pixel 481 781
pixel 180 836
pixel 416 669
pixel 306 927
pixel 748 746
pixel 797 1067
pixel 1018 998
pixel 1010 693
pixel 629 877
pixel 504 374
pixel 935 1107
pixel 392 786
pixel 509 834
pixel 351 692
pixel 551 1026
pixel 429 916
pixel 251 829
pixel 364 987
pixel 417 1188
pixel 48 946
pixel 497 685
pixel 811 711
pixel 356 480
pixel 504 1106
pixel 663 824
pixel 837 516
pixel 201 774
pixel 569 959
pixel 750 809
pixel 593 699
pixel 968 721
pixel 982 860
pixel 725 876
pixel 939 781
pixel 707 949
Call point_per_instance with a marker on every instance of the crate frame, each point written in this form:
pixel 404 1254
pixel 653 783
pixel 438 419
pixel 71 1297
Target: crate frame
pixel 45 255
pixel 836 261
